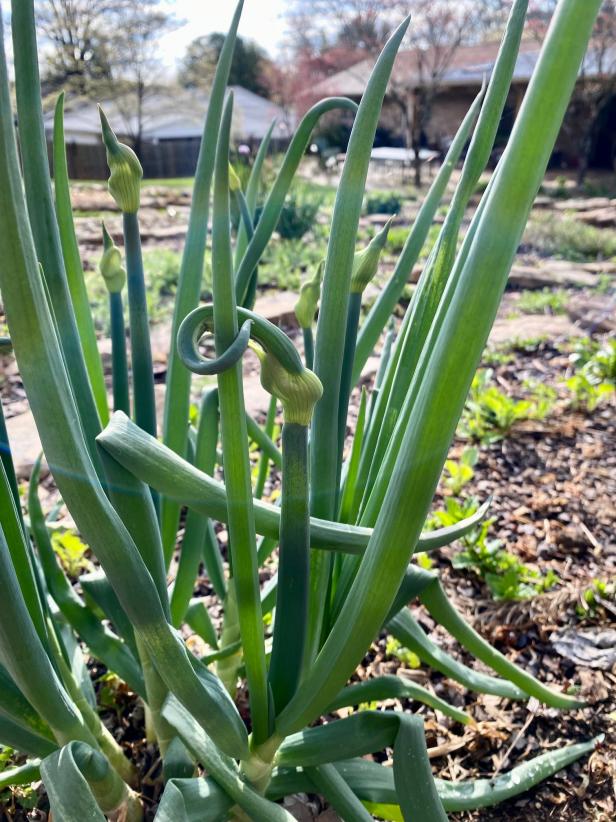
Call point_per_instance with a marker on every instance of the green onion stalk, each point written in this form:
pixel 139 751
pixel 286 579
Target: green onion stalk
pixel 43 221
pixel 247 230
pixel 299 391
pixel 234 438
pixel 434 279
pixel 306 309
pixel 264 460
pixel 284 376
pixel 331 333
pixel 199 544
pixel 6 457
pixel 114 275
pixel 365 265
pixel 125 188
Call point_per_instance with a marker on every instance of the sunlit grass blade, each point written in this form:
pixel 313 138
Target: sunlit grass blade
pixel 74 268
pixel 177 396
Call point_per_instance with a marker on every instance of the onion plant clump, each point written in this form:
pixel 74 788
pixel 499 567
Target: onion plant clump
pixel 350 515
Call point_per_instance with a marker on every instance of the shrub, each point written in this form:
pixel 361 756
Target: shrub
pixel 384 202
pixel 298 215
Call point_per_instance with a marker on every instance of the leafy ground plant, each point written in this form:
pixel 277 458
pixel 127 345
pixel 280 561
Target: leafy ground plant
pixel 594 377
pixel 345 530
pixel 489 413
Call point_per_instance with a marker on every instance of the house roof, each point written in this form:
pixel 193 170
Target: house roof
pixel 469 65
pixel 171 114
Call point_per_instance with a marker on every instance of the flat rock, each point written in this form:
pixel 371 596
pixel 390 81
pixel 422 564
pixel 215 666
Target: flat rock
pixel 599 217
pixel 595 314
pixel 25 443
pixel 583 203
pixel 556 274
pixel 532 326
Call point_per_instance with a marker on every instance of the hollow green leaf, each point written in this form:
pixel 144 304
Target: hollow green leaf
pixel 394 687
pixel 406 629
pixel 160 468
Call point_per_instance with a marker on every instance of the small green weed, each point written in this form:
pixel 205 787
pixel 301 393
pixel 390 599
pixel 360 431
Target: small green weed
pixel 489 414
pixel 298 215
pixel 461 472
pixel 504 574
pixel 71 552
pixel 595 597
pixel 546 301
pixel 395 648
pixel 396 238
pixel 594 379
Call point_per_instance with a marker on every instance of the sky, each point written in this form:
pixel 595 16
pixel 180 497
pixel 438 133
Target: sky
pixel 262 21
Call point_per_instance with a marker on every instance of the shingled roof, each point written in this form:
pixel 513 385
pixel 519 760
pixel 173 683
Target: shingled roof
pixel 467 67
